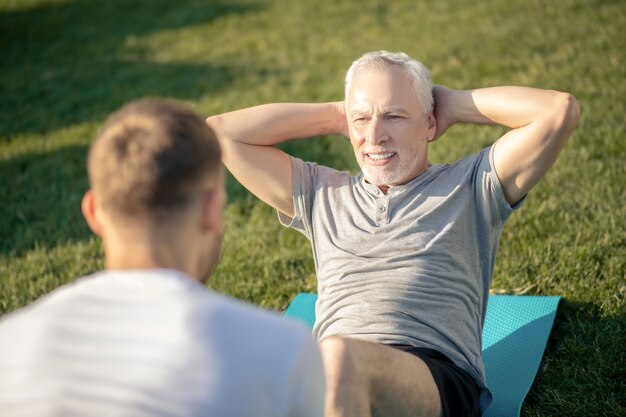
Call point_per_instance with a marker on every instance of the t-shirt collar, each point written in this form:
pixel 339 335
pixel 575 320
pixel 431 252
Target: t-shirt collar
pixel 396 189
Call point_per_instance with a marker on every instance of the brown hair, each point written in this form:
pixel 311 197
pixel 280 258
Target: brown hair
pixel 152 156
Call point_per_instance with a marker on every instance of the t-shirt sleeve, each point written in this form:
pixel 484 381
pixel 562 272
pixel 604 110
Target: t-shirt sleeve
pixel 308 387
pixel 489 191
pixel 302 185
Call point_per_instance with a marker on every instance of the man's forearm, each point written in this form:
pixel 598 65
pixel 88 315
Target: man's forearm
pixel 270 124
pixel 511 107
pixel 247 138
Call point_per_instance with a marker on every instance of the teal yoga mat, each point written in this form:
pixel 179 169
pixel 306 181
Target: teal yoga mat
pixel 515 335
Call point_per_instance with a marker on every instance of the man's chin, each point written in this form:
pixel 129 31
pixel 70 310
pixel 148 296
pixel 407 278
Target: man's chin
pixel 390 179
pixel 378 180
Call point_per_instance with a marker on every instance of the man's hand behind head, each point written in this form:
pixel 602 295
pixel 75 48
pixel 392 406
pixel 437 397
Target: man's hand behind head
pixel 441 95
pixel 342 119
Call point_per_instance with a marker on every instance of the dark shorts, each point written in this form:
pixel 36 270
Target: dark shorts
pixel 457 389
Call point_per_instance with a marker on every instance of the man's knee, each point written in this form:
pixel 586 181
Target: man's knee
pixel 341 362
pixel 346 385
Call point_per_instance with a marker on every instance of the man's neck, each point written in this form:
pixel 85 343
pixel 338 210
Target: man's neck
pixel 143 255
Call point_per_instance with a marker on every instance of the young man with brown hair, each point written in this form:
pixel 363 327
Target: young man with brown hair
pixel 144 337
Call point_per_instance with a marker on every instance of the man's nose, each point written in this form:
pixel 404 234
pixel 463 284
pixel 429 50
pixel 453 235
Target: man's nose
pixel 376 133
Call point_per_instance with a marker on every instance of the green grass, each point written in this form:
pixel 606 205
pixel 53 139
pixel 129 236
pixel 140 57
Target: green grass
pixel 64 65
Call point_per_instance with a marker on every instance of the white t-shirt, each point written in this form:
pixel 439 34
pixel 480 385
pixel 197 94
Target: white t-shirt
pixel 154 343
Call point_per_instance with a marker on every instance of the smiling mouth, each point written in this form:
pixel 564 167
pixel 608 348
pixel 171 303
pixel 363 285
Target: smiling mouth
pixel 378 157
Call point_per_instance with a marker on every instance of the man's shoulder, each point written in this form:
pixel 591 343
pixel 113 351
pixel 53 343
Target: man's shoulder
pixel 195 301
pixel 132 293
pixel 461 168
pixel 321 173
pixel 251 320
pixel 30 315
pixel 469 160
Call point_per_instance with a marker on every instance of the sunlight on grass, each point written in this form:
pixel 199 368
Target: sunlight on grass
pixel 67 64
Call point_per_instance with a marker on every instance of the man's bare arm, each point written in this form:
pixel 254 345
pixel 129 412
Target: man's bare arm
pixel 248 138
pixel 541 122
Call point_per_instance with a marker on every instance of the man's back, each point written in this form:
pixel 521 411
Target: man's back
pixel 154 342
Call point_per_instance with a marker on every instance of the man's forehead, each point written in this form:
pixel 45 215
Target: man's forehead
pixel 385 108
pixel 389 87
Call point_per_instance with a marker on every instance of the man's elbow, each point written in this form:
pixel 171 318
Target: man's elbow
pixel 569 112
pixel 213 122
pixel 217 125
pixel 562 118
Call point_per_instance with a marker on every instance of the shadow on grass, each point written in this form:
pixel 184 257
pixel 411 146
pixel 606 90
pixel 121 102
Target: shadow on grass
pixel 44 191
pixel 42 195
pixel 75 61
pixel 583 365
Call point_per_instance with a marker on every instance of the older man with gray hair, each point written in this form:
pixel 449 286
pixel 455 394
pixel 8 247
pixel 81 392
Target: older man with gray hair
pixel 404 251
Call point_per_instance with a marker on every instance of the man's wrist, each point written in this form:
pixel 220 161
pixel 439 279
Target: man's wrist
pixel 338 123
pixel 459 107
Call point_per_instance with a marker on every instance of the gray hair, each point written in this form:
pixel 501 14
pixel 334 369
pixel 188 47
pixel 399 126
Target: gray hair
pixel 418 74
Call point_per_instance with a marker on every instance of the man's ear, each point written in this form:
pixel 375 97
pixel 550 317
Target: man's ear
pixel 213 210
pixel 432 127
pixel 89 209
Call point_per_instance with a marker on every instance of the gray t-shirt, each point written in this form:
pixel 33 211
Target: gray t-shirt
pixel 412 266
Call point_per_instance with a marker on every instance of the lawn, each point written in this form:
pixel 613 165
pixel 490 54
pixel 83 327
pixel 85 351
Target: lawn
pixel 65 65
